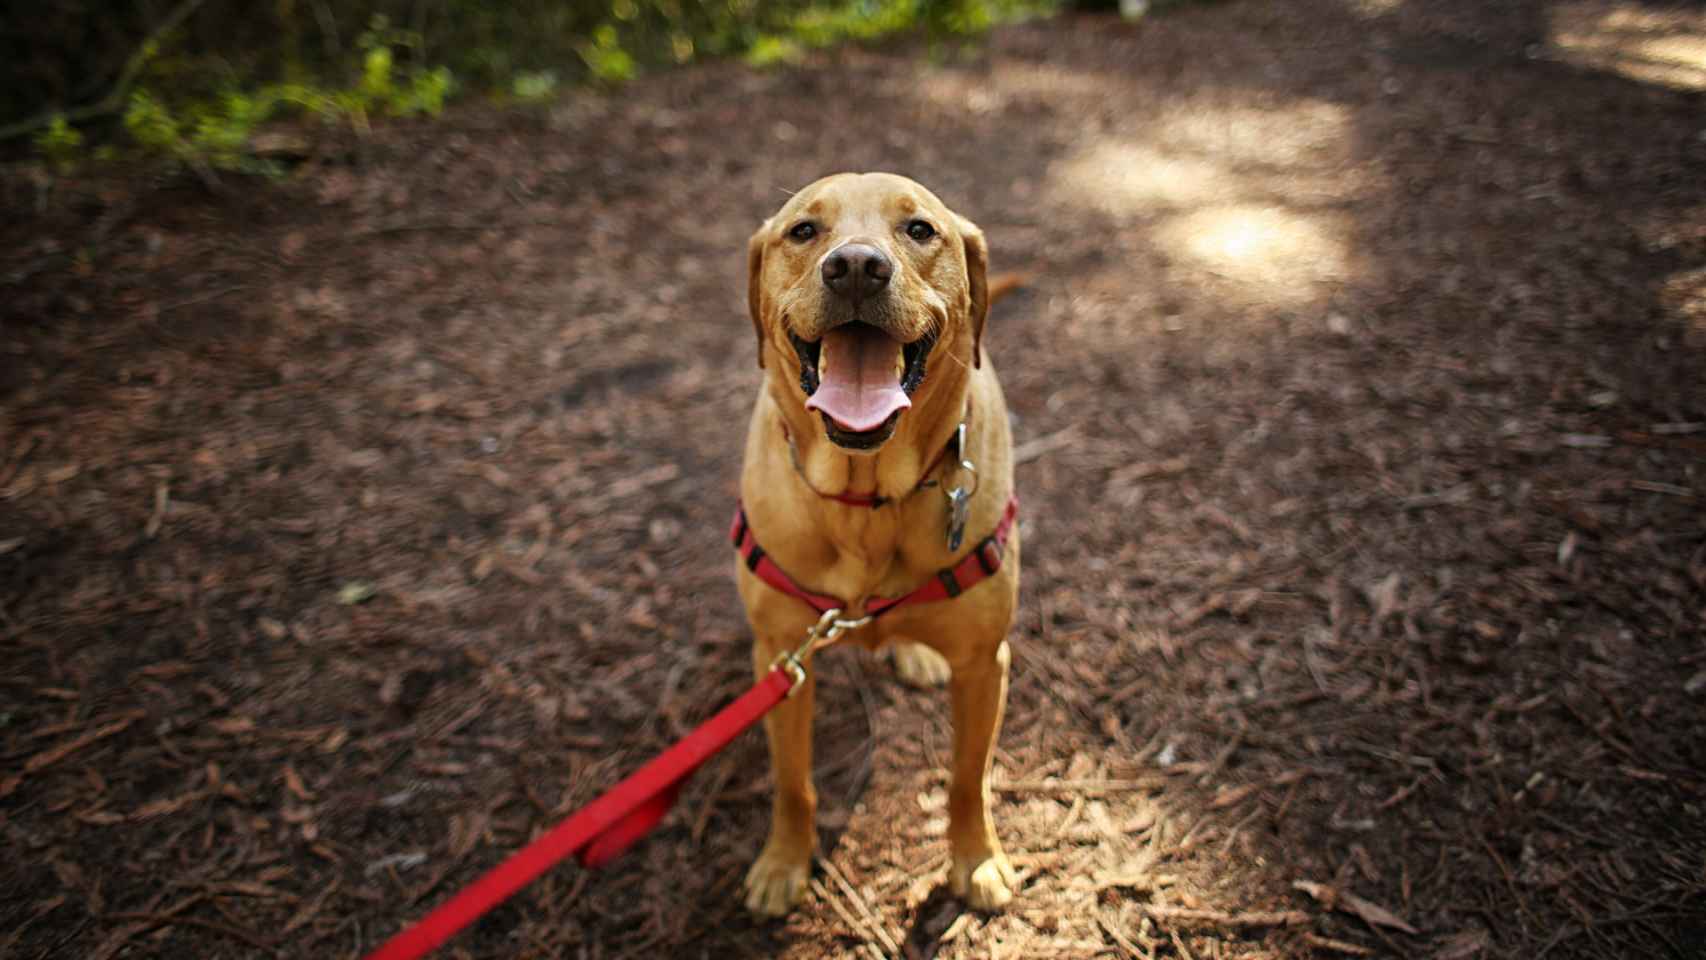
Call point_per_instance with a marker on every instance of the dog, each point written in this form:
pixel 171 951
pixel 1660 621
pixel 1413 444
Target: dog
pixel 878 453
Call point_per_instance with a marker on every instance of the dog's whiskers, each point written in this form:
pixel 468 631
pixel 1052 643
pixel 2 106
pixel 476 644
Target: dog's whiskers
pixel 957 360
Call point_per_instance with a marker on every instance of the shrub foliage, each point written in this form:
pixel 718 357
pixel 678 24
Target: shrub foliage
pixel 190 81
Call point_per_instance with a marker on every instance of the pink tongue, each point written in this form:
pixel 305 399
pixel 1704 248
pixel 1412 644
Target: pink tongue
pixel 861 388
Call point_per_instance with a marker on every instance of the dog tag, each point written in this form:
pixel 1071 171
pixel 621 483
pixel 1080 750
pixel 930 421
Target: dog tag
pixel 959 506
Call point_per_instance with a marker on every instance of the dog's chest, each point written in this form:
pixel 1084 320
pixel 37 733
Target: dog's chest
pixel 882 555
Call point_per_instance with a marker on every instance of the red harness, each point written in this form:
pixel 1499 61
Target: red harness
pixel 949 582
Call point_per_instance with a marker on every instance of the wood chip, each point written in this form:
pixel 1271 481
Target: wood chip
pixel 1088 787
pixel 1138 881
pixel 165 806
pixel 1113 932
pixel 53 755
pixel 1337 946
pixel 1654 486
pixel 1371 913
pixel 1220 918
pixel 858 901
pixel 1230 796
pixel 1032 449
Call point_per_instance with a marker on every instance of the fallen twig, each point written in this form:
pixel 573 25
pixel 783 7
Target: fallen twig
pixel 1120 938
pixel 1088 787
pixel 1220 918
pixel 828 896
pixel 120 938
pixel 1224 755
pixel 439 225
pixel 1337 946
pixel 1450 496
pixel 162 499
pixel 1371 913
pixel 858 902
pixel 164 920
pixel 311 909
pixel 1048 443
pixel 49 757
pixel 629 486
pixel 1654 486
pixel 203 297
pixel 1137 882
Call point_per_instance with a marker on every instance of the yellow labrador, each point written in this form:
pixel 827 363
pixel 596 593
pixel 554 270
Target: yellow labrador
pixel 869 298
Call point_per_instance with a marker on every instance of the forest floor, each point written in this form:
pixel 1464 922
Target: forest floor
pixel 355 528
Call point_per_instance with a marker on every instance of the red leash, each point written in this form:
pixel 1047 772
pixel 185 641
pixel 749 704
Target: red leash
pixel 603 828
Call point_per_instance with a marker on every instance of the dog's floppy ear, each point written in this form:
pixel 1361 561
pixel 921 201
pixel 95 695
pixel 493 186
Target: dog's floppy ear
pixel 977 283
pixel 754 288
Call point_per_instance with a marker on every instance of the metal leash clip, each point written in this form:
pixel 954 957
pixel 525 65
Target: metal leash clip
pixel 826 631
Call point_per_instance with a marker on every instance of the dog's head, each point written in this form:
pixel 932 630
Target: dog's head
pixel 863 289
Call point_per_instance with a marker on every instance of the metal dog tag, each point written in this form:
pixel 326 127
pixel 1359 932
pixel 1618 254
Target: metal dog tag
pixel 959 507
pixel 959 498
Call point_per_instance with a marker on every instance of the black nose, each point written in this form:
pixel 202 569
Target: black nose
pixel 854 271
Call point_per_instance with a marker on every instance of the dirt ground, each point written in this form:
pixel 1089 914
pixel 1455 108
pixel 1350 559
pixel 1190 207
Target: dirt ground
pixel 354 530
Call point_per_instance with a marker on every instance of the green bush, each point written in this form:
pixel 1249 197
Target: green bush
pixel 531 86
pixel 59 143
pixel 769 51
pixel 214 133
pixel 605 58
pixel 204 87
pixel 151 125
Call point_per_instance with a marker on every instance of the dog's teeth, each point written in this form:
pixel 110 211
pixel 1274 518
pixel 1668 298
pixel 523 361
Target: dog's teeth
pixel 899 364
pixel 822 358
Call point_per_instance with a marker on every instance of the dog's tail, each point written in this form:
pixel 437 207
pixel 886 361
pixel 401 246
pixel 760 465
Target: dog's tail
pixel 1004 284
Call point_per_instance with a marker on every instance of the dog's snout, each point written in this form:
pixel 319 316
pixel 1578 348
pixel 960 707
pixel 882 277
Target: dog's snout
pixel 854 271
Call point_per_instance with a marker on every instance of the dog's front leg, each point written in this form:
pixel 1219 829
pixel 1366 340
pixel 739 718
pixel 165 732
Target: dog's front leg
pixel 980 873
pixel 777 881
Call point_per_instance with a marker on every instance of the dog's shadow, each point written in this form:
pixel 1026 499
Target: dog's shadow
pixel 849 752
pixel 931 921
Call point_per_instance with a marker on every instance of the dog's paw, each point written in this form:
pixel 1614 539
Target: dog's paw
pixel 985 884
pixel 776 884
pixel 920 666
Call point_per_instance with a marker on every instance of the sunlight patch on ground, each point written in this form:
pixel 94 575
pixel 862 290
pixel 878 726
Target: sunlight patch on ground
pixel 1019 80
pixel 1232 192
pixel 1374 8
pixel 1195 154
pixel 1684 293
pixel 1674 233
pixel 1274 253
pixel 1665 47
pixel 1014 83
pixel 1125 177
pixel 1300 132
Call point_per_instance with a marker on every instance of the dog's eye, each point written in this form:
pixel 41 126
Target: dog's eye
pixel 920 231
pixel 803 231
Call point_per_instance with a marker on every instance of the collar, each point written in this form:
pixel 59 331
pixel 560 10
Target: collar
pixel 874 500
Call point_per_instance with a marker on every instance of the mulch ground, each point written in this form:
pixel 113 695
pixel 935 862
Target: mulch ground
pixel 355 528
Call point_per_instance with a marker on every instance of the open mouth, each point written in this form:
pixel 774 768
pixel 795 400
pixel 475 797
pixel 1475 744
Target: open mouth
pixel 859 379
